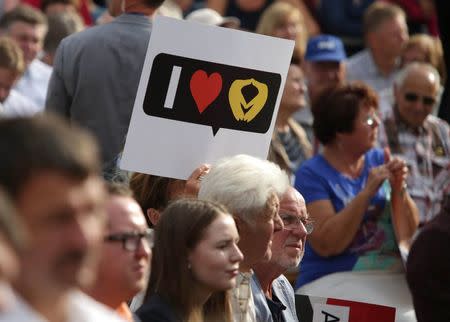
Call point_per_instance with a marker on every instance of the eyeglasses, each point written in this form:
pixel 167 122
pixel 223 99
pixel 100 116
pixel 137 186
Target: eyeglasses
pixel 130 241
pixel 371 119
pixel 293 222
pixel 426 100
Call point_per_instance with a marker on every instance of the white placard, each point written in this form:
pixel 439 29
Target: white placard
pixel 168 146
pixel 330 313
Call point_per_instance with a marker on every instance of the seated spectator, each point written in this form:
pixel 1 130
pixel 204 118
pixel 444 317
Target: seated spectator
pixel 12 66
pixel 196 260
pixel 60 25
pixel 420 138
pixel 385 34
pixel 250 188
pixel 51 171
pixel 358 219
pixel 290 146
pixel 283 20
pixel 153 193
pixel 324 67
pixel 28 26
pixel 427 270
pixel 274 295
pixel 12 244
pixel 128 243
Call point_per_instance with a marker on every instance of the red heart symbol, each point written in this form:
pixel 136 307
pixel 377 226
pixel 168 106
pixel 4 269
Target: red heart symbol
pixel 205 89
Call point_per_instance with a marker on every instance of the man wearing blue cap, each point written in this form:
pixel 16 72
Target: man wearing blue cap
pixel 324 67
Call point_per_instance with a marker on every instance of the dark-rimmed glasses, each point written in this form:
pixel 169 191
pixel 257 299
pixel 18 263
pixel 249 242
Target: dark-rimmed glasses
pixel 131 240
pixel 426 100
pixel 292 222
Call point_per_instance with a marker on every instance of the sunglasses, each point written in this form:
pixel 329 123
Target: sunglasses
pixel 426 100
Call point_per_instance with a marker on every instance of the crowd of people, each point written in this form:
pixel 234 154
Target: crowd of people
pixel 355 191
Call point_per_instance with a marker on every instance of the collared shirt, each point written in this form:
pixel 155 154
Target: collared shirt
pixel 34 82
pixel 18 105
pixel 361 66
pixel 284 293
pixel 426 151
pixel 242 302
pixel 276 308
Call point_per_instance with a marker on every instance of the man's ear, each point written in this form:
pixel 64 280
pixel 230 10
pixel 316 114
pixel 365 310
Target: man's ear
pixel 153 215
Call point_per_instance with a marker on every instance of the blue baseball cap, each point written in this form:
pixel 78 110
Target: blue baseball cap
pixel 325 48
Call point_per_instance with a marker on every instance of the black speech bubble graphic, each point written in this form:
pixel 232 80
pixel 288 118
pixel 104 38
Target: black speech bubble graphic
pixel 217 113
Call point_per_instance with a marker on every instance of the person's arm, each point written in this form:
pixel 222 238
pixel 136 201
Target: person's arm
pixel 58 100
pixel 333 232
pixel 405 215
pixel 192 185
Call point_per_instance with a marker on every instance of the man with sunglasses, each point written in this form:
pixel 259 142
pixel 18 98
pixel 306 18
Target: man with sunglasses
pixel 420 138
pixel 125 256
pixel 273 294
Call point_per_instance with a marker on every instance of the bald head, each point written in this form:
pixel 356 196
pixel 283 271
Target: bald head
pixel 416 92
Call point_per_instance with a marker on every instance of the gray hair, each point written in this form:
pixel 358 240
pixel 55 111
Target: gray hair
pixel 243 184
pixel 412 67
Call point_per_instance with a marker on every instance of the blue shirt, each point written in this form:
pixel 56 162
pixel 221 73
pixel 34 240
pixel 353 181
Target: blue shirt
pixel 374 245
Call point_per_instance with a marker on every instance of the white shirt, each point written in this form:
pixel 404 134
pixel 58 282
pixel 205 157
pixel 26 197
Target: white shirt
pixel 80 308
pixel 18 105
pixel 362 67
pixel 34 82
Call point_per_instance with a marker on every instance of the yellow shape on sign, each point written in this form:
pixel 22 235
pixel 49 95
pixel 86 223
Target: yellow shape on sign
pixel 242 110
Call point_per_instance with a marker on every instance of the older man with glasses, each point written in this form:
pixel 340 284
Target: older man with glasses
pixel 125 256
pixel 273 294
pixel 420 138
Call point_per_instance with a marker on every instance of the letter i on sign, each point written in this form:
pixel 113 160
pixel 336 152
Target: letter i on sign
pixel 173 85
